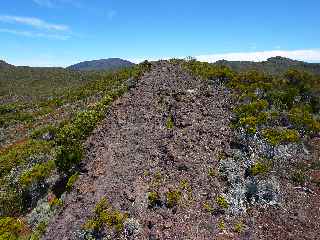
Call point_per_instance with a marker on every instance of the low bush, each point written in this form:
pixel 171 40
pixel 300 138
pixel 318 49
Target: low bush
pixel 106 216
pixel 37 173
pixel 222 202
pixel 68 156
pixel 19 154
pixel 172 198
pixel 12 229
pixel 71 181
pixel 258 169
pixel 279 136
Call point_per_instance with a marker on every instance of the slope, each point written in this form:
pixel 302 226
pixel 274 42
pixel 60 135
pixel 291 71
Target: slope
pixel 162 137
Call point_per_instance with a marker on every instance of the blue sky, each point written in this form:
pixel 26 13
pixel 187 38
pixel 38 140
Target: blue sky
pixel 63 32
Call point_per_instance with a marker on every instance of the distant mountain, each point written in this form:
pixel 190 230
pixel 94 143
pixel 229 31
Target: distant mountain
pixel 274 65
pixel 4 65
pixel 102 64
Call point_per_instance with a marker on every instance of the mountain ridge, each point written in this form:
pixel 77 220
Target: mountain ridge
pixel 273 65
pixel 101 64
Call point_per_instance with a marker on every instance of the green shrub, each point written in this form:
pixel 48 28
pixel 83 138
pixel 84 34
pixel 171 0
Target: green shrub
pixel 106 216
pixel 170 122
pixel 68 156
pixel 8 108
pixel 299 176
pixel 303 119
pixel 154 199
pixel 208 207
pixel 11 228
pixel 252 108
pixel 239 227
pixel 250 123
pixel 258 169
pixel 19 154
pixel 83 123
pixel 71 181
pixel 172 198
pixel 222 202
pixel 38 133
pixel 278 136
pixel 37 173
pixel 11 202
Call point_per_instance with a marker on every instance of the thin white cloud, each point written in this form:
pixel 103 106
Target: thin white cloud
pixel 57 3
pixel 304 55
pixel 34 34
pixel 44 3
pixel 33 22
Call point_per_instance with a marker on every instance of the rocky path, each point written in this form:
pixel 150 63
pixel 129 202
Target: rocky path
pixel 135 151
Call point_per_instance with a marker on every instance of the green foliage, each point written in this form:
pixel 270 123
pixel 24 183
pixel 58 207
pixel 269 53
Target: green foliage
pixel 238 227
pixel 250 81
pixel 71 181
pixel 258 168
pixel 39 231
pixel 11 228
pixel 208 207
pixel 9 108
pixel 154 199
pixel 170 122
pixel 19 154
pixel 37 173
pixel 11 202
pixel 212 172
pixel 209 71
pixel 83 123
pixel 303 119
pixel 68 156
pixel 222 202
pixel 106 216
pixel 279 136
pixel 172 198
pixel 40 132
pixel 221 225
pixel 299 176
pixel 252 108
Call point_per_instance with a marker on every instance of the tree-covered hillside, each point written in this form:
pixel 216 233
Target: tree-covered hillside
pixel 274 65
